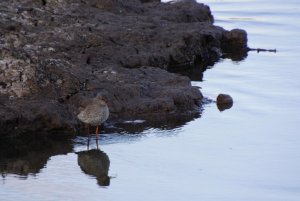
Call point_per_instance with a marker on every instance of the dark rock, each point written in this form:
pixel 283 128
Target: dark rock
pixel 55 55
pixel 234 44
pixel 224 102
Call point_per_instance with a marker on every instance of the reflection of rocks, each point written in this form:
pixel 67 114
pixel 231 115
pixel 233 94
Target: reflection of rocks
pixel 233 47
pixel 29 164
pixel 54 55
pixel 29 155
pixel 224 102
pixel 96 163
pixel 163 122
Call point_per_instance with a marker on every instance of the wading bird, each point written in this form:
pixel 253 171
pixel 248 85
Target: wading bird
pixel 94 114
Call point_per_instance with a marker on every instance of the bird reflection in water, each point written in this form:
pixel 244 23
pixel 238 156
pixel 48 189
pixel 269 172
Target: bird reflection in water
pixel 96 163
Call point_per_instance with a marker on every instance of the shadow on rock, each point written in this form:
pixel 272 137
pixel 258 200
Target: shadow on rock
pixel 95 163
pixel 29 154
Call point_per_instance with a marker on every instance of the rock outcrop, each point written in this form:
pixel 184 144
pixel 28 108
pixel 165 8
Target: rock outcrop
pixel 56 54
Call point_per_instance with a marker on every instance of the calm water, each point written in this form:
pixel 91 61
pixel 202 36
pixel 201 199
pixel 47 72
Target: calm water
pixel 250 152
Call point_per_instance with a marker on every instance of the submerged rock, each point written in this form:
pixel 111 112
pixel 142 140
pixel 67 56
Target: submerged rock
pixel 224 102
pixel 56 55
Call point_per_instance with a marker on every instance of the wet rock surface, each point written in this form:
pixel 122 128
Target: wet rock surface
pixel 55 55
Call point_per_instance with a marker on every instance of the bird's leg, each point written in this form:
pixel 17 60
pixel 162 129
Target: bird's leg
pixel 88 134
pixel 97 129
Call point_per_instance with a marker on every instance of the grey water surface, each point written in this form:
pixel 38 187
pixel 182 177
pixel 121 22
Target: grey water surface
pixel 250 152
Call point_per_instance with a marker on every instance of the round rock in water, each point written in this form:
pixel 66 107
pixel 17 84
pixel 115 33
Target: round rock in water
pixel 224 102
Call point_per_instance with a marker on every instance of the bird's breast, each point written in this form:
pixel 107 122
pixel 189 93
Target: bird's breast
pixel 94 115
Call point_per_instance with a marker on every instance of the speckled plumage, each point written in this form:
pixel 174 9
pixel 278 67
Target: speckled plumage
pixel 95 113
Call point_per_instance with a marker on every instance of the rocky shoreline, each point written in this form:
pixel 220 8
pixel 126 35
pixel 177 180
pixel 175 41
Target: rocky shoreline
pixel 55 55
